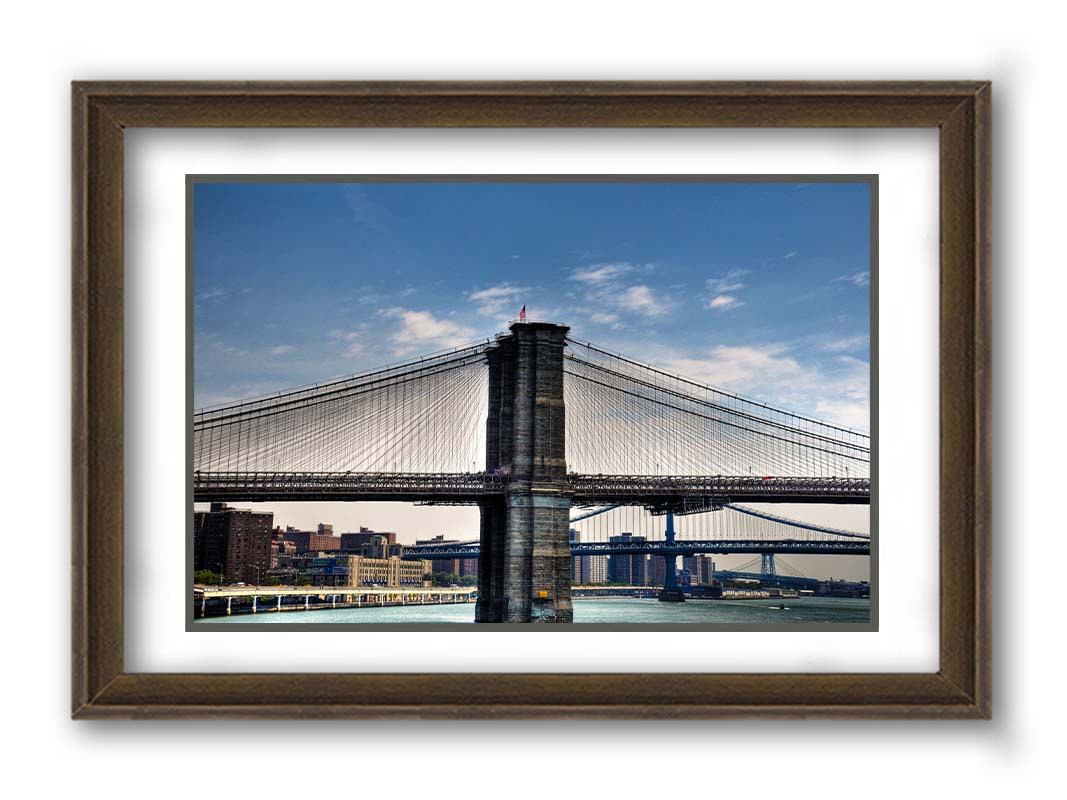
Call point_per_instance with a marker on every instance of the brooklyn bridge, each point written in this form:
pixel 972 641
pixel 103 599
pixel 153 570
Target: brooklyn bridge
pixel 540 430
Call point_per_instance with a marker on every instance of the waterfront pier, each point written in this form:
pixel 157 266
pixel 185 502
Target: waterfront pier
pixel 227 600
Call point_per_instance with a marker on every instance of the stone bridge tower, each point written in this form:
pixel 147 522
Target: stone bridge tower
pixel 524 574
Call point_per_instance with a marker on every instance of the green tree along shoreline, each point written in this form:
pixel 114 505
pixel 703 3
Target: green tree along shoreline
pixel 451 578
pixel 206 576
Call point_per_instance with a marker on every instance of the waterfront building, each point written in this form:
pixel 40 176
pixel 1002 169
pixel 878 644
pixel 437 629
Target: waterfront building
pixel 700 568
pixel 235 540
pixel 379 547
pixel 576 561
pixel 345 569
pixel 631 570
pixel 594 570
pixel 200 541
pixel 281 549
pixel 312 541
pixel 354 541
pixel 449 566
pixel 467 567
pixel 657 569
pixel 392 571
pixel 587 570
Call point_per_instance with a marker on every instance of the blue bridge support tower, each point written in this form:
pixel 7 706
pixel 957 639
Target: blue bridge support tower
pixel 670 593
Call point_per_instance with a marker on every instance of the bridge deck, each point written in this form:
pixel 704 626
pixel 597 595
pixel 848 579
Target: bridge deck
pixel 251 487
pixel 652 490
pixel 470 487
pixel 852 547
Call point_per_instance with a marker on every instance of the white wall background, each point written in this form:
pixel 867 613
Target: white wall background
pixel 1018 45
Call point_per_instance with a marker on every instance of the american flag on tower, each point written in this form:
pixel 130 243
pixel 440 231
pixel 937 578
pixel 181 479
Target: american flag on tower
pixel 522 314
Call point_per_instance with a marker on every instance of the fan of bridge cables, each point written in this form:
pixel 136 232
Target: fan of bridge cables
pixel 781 566
pixel 629 418
pixel 426 415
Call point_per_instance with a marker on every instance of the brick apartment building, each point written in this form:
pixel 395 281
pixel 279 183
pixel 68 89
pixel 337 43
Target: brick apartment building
pixel 236 541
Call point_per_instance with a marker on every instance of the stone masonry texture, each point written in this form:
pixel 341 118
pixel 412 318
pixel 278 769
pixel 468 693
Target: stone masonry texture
pixel 524 573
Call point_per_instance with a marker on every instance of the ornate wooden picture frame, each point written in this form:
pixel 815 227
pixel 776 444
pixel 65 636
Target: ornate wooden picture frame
pixel 102 111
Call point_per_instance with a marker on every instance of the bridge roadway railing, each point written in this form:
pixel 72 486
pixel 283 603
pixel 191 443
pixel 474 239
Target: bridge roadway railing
pixel 320 591
pixel 591 490
pixel 724 546
pixel 265 486
pixel 469 487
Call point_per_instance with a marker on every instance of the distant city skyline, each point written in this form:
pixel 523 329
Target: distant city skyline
pixel 760 288
pixel 411 522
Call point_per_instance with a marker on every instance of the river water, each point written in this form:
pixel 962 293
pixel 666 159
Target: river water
pixel 615 611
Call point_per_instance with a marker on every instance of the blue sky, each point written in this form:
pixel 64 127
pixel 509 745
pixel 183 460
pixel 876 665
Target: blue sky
pixel 762 288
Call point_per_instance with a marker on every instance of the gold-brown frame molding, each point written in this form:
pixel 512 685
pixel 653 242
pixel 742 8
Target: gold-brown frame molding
pixel 103 110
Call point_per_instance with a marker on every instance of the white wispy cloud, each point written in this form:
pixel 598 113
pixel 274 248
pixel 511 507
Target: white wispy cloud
pixel 740 368
pixel 846 344
pixel 350 340
pixel 602 318
pixel 282 349
pixel 642 300
pixel 723 290
pixel 790 254
pixel 579 315
pixel 850 413
pixel 847 394
pixel 421 331
pixel 856 278
pixel 724 302
pixel 217 293
pixel 609 294
pixel 600 274
pixel 496 300
pixel 730 282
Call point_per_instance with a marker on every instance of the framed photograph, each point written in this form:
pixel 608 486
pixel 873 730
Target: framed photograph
pixel 460 400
